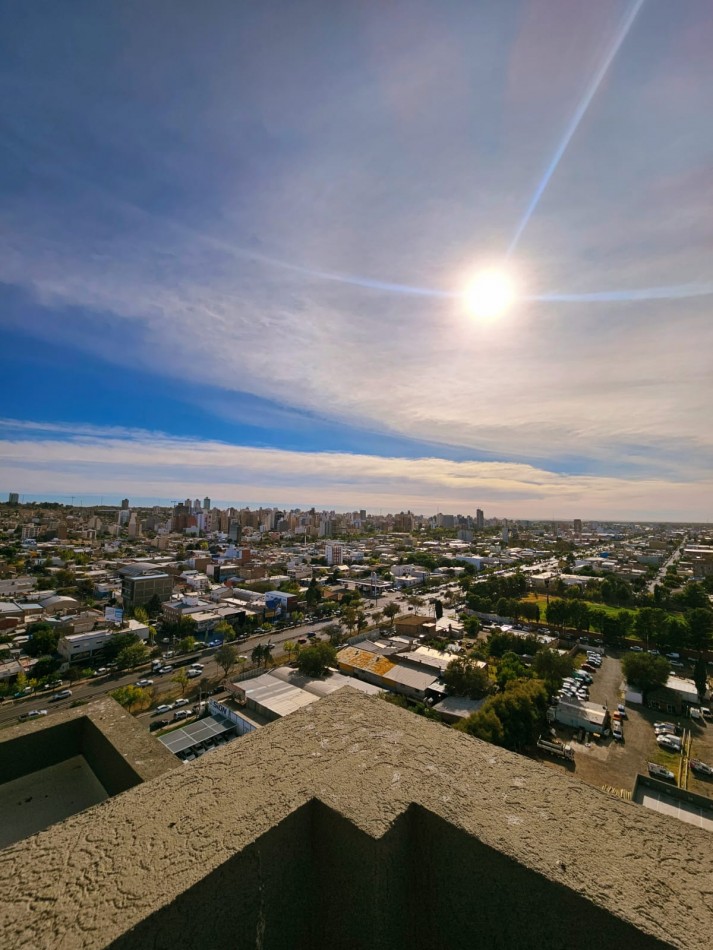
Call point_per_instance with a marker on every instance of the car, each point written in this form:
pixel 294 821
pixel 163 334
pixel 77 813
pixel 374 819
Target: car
pixel 637 649
pixel 144 682
pixel 55 684
pixel 655 652
pixel 617 735
pixel 165 669
pixel 660 725
pixel 695 713
pixel 102 670
pixel 621 709
pixel 705 711
pixel 181 714
pixel 33 713
pixel 63 694
pixel 158 724
pixel 311 635
pixel 164 707
pixel 197 666
pixel 700 768
pixel 659 771
pixel 302 640
pixel 191 674
pixel 215 643
pixel 672 743
pixel 616 716
pixel 673 656
pixel 181 702
pixel 677 664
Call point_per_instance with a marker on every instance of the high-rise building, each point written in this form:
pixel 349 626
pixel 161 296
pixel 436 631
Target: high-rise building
pixel 578 526
pixel 124 503
pixel 505 532
pixel 334 552
pixel 206 503
pixel 479 519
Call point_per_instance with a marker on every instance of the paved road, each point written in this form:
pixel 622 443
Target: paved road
pixel 664 567
pixel 10 711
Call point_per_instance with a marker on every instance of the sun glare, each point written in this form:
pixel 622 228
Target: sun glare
pixel 489 294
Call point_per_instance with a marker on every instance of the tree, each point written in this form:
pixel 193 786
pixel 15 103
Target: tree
pixel 224 630
pixel 334 632
pixel 132 655
pixel 153 606
pixel 699 621
pixel 181 677
pixel 645 671
pixel 510 668
pixel 45 666
pixel 349 616
pixel 700 677
pixel 117 643
pixel 552 668
pixel 141 615
pixel 290 648
pixel 520 711
pixel 132 697
pixel 313 595
pixel 315 660
pixel 187 644
pixel 390 611
pixel 226 657
pixel 465 677
pixel 43 639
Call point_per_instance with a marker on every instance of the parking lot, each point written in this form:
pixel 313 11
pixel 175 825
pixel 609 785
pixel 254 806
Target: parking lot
pixel 605 762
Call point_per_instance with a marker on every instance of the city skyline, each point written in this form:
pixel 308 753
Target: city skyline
pixel 234 250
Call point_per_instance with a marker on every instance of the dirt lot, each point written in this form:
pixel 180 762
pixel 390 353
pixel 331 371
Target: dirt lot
pixel 615 764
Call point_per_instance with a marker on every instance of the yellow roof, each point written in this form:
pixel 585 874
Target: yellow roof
pixel 364 660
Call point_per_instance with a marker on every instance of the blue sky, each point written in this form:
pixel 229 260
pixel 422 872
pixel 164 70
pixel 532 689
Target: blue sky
pixel 212 216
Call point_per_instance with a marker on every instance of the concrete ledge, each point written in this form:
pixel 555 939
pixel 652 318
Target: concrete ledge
pixel 108 875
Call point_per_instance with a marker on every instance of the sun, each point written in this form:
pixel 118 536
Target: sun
pixel 490 294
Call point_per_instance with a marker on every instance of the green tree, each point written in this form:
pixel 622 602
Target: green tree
pixel 510 668
pixel 552 668
pixel 141 615
pixel 645 671
pixel 224 630
pixel 334 632
pixel 153 606
pixel 699 621
pixel 465 677
pixel 315 660
pixel 313 595
pixel 181 677
pixel 132 697
pixel 291 649
pixel 132 655
pixel 391 610
pixel 226 657
pixel 187 644
pixel 700 677
pixel 45 666
pixel 43 640
pixel 117 643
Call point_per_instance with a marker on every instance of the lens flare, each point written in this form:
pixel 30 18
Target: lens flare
pixel 489 294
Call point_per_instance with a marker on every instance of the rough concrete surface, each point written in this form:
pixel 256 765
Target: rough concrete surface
pixel 418 812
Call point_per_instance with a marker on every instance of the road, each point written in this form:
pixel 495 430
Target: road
pixel 664 567
pixel 95 688
pixel 10 710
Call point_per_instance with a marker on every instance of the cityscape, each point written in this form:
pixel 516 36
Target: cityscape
pixel 356 506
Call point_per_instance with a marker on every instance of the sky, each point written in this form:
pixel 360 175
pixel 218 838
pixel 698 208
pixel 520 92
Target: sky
pixel 235 236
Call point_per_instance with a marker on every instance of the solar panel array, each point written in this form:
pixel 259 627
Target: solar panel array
pixel 195 733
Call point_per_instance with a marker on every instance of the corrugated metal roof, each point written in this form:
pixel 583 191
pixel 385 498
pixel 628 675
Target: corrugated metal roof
pixel 407 676
pixel 273 694
pixel 322 687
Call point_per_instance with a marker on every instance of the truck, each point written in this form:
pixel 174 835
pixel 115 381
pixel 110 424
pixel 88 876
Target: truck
pixel 556 748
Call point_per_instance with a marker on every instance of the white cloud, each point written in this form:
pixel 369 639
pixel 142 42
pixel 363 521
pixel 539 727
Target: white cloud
pixel 151 465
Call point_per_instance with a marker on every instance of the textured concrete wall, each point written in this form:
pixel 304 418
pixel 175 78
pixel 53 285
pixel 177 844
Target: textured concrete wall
pixel 424 838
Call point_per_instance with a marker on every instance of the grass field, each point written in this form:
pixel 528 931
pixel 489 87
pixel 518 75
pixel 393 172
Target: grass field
pixel 541 601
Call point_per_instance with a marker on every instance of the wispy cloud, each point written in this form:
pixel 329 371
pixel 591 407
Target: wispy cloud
pixel 159 466
pixel 197 217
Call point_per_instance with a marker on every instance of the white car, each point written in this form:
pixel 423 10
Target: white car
pixel 144 682
pixel 181 702
pixel 672 743
pixel 33 713
pixel 164 707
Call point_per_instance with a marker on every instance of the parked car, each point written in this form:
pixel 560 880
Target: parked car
pixel 672 743
pixel 164 707
pixel 63 694
pixel 621 709
pixel 659 771
pixel 181 702
pixel 144 682
pixel 191 674
pixel 165 669
pixel 706 713
pixel 197 666
pixel 700 768
pixel 181 714
pixel 158 724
